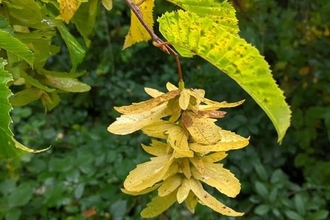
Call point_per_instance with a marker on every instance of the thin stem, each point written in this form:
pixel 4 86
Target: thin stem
pixel 164 46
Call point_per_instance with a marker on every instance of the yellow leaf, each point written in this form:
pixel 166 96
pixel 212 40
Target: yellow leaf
pixel 183 191
pixel 127 124
pixel 191 202
pixel 229 141
pixel 198 164
pixel 107 4
pixel 202 130
pixel 147 174
pixel 147 105
pixel 213 105
pixel 220 178
pixel 179 141
pixel 137 32
pixel 171 87
pixel 184 99
pixel 169 185
pixel 68 8
pixel 208 200
pixel 158 205
pixel 157 148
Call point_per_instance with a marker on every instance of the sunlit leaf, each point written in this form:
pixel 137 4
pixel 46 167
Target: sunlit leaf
pixel 156 148
pixel 66 84
pixel 107 4
pixel 178 140
pixel 232 55
pixel 183 191
pixel 141 192
pixel 137 32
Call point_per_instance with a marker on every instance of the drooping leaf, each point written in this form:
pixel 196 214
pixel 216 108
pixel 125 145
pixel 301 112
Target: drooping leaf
pixel 35 82
pixel 77 52
pixel 183 191
pixel 137 32
pixel 191 35
pixel 25 96
pixel 11 44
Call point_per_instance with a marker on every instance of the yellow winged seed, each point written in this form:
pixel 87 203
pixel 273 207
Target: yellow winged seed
pixel 208 200
pixel 220 178
pixel 147 105
pixel 185 167
pixel 127 124
pixel 157 148
pixel 158 205
pixel 184 99
pixel 145 175
pixel 213 105
pixel 202 130
pixel 183 191
pixel 153 92
pixel 215 157
pixel 229 141
pixel 169 185
pixel 145 191
pixel 191 202
pixel 198 164
pixel 171 87
pixel 179 141
pixel 158 129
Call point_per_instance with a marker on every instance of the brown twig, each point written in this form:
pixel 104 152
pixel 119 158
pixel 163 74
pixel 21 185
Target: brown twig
pixel 164 46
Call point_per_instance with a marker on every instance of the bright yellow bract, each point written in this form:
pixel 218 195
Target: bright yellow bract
pixel 186 151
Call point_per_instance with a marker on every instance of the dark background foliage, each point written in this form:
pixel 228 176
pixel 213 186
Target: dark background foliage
pixel 81 175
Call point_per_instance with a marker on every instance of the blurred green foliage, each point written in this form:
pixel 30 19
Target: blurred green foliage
pixel 81 175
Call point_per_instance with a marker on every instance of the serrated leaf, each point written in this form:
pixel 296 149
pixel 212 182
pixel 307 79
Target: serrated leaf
pixel 137 32
pixel 9 147
pixel 158 205
pixel 232 55
pixel 220 178
pixel 11 44
pixel 208 200
pixel 222 13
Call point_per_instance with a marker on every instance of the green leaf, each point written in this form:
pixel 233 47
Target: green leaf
pixel 35 82
pixel 11 44
pixel 25 96
pixel 261 189
pixel 320 214
pixel 293 215
pixel 66 84
pixel 77 53
pixel 21 196
pixel 85 18
pixel 191 34
pixel 262 209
